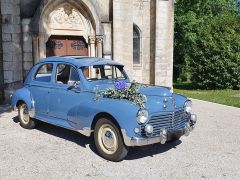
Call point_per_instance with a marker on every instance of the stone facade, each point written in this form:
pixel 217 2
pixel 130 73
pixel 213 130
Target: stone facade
pixel 11 44
pixel 106 26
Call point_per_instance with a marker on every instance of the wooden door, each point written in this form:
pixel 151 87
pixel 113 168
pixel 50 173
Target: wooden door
pixel 66 45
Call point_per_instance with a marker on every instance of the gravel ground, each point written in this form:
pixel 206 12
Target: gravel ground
pixel 212 151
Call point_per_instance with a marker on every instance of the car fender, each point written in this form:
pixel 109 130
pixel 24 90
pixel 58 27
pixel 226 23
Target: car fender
pixel 179 100
pixel 24 95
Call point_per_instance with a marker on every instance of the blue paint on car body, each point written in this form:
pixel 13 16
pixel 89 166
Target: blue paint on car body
pixel 75 107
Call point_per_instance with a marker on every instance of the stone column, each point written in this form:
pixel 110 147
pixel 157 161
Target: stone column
pixel 92 50
pixel 123 34
pixel 107 40
pixel 99 40
pixel 164 42
pixel 42 45
pixel 35 49
pixel 27 46
pixel 92 42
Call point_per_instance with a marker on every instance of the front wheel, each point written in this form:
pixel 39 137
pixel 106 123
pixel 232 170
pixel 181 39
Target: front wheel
pixel 25 120
pixel 108 140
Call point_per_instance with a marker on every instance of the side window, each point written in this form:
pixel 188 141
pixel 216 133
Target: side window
pixel 108 70
pixel 119 74
pixel 66 73
pixel 136 45
pixel 44 73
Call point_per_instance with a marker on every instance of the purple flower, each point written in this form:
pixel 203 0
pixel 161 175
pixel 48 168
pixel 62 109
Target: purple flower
pixel 120 85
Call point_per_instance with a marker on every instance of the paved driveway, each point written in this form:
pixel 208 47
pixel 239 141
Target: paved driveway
pixel 212 151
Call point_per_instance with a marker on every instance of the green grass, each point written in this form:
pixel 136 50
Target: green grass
pixel 227 97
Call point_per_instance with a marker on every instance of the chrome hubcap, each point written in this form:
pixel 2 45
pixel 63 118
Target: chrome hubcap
pixel 107 139
pixel 24 114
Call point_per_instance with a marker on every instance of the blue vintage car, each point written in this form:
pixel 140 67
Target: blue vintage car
pixel 72 92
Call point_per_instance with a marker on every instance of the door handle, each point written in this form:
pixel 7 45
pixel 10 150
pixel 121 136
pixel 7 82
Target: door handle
pixel 78 90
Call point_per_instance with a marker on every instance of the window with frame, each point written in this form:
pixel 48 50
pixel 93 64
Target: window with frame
pixel 136 45
pixel 44 73
pixel 104 72
pixel 66 73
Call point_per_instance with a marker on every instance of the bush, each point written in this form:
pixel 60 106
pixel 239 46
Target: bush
pixel 207 43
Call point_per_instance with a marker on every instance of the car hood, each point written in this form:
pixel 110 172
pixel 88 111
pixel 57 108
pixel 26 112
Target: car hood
pixel 155 91
pixel 147 90
pixel 159 98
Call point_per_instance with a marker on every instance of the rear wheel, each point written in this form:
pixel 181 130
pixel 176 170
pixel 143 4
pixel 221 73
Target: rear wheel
pixel 25 120
pixel 108 140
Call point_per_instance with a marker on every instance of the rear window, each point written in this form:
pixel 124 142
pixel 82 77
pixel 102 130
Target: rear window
pixel 44 73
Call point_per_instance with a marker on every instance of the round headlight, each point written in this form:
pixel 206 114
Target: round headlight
pixel 188 106
pixel 142 116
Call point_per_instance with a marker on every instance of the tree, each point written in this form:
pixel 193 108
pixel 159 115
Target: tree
pixel 207 43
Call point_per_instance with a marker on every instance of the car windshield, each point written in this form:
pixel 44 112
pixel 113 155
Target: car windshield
pixel 102 72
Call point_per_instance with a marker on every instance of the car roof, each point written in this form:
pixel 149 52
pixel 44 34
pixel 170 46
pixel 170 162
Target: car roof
pixel 80 61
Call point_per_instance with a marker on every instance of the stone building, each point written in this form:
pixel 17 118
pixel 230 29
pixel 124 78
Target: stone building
pixel 137 33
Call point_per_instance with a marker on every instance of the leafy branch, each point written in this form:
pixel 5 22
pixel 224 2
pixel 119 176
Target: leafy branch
pixel 121 91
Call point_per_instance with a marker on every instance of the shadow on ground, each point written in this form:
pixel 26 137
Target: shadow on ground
pixel 134 153
pixel 6 108
pixel 151 150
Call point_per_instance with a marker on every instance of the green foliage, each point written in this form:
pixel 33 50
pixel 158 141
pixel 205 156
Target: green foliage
pixel 207 43
pixel 130 94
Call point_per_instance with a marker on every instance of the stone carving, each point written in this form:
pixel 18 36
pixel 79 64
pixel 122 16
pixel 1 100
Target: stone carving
pixel 140 3
pixel 65 17
pixel 92 39
pixel 99 39
pixel 78 45
pixel 54 44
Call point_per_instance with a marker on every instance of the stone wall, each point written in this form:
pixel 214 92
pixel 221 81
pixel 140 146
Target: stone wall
pixel 11 43
pixel 110 36
pixel 123 34
pixel 27 48
pixel 164 42
pixel 1 61
pixel 141 18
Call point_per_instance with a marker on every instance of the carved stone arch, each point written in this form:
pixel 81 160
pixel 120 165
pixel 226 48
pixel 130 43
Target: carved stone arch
pixel 65 18
pixel 85 5
pixel 51 14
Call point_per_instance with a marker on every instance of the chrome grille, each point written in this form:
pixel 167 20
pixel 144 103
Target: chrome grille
pixel 169 120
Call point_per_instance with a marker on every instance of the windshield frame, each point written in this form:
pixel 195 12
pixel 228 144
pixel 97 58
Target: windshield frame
pixel 119 67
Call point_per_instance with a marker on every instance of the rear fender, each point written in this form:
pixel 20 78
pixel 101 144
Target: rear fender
pixel 23 95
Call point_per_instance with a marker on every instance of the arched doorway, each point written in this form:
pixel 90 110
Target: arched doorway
pixel 67 27
pixel 66 45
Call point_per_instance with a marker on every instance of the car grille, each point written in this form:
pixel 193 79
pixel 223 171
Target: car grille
pixel 170 121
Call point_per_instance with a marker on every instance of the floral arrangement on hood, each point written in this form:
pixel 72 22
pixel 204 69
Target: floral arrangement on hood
pixel 121 90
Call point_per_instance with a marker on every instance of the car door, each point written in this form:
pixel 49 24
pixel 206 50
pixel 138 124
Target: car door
pixel 40 87
pixel 64 99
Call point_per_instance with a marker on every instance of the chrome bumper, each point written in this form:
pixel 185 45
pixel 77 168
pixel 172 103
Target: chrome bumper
pixel 162 138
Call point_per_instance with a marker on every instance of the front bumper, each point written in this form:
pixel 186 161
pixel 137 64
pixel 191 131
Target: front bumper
pixel 162 138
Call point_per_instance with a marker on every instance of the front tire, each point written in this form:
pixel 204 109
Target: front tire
pixel 25 120
pixel 108 140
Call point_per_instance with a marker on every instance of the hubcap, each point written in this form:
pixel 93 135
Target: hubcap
pixel 24 113
pixel 107 139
